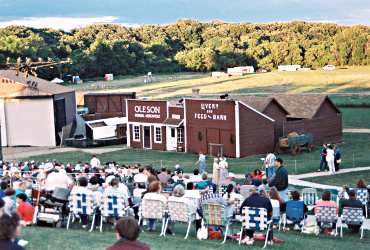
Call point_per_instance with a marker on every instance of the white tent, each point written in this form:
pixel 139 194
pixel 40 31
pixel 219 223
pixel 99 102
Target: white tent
pixel 57 80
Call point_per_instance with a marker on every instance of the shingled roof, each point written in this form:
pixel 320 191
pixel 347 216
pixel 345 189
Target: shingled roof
pixel 301 106
pixel 259 103
pixel 43 88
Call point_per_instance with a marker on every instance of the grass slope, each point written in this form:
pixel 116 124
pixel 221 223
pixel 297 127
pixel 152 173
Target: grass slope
pixel 352 79
pixel 354 150
pixel 42 238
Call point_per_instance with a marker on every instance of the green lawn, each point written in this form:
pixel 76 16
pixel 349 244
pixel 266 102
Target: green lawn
pixel 356 117
pixel 355 150
pixel 349 179
pixel 42 238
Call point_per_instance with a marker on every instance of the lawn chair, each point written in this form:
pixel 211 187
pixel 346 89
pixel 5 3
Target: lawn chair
pixel 222 190
pixel 81 204
pixel 363 196
pixel 309 197
pixel 351 216
pixel 294 213
pixel 255 219
pixel 214 215
pixel 326 216
pixel 153 209
pixel 112 206
pixel 179 212
pixel 365 226
pixel 276 217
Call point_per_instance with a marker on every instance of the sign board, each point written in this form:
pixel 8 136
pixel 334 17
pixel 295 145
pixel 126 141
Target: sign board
pixel 146 111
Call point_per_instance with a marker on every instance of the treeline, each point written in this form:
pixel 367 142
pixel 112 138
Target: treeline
pixel 188 45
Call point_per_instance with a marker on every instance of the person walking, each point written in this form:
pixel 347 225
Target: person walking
pixel 280 180
pixel 323 162
pixel 201 163
pixel 270 165
pixel 330 158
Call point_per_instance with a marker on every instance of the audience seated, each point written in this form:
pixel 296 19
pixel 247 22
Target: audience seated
pixel 24 209
pixel 354 203
pixel 9 231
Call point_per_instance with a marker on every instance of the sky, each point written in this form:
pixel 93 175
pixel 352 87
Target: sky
pixel 68 14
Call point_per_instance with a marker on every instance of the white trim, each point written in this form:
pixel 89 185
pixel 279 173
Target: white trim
pixel 133 133
pixel 255 110
pixel 185 129
pixel 155 134
pixel 147 123
pixel 237 130
pixel 150 136
pixel 128 134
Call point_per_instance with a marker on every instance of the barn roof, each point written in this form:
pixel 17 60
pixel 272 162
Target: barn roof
pixel 43 88
pixel 300 105
pixel 260 103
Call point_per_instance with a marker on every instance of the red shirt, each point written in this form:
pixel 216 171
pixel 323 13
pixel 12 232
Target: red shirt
pixel 129 245
pixel 25 210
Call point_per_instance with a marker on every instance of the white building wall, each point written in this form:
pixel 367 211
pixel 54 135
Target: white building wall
pixel 3 123
pixel 30 122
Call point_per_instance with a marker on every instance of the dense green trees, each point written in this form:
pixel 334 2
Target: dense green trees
pixel 188 45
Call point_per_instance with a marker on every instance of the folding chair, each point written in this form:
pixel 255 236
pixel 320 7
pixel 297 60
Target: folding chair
pixel 81 204
pixel 309 197
pixel 276 217
pixel 255 219
pixel 112 206
pixel 365 226
pixel 214 215
pixel 363 196
pixel 153 209
pixel 351 216
pixel 294 213
pixel 222 190
pixel 180 212
pixel 326 215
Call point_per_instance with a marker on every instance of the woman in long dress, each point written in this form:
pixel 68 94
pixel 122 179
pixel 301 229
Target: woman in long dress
pixel 216 171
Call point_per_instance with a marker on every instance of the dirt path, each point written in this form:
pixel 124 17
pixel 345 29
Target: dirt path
pixel 357 130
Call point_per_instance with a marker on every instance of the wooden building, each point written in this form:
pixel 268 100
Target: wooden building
pixel 270 107
pixel 33 111
pixel 315 114
pixel 106 105
pixel 228 127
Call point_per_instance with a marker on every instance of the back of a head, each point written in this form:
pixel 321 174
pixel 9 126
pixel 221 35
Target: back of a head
pixel 141 169
pixel 82 181
pixel 196 171
pixel 8 226
pixel 128 228
pixel 361 184
pixel 163 170
pixel 326 196
pixel 178 191
pixel 204 176
pixel 154 187
pixel 295 195
pixel 352 195
pixel 22 197
pixel 114 182
pixel 190 186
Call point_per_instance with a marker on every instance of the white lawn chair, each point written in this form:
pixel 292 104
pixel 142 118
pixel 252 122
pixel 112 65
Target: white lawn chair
pixel 326 215
pixel 363 196
pixel 112 206
pixel 179 212
pixel 214 215
pixel 350 216
pixel 153 209
pixel 309 197
pixel 81 204
pixel 365 226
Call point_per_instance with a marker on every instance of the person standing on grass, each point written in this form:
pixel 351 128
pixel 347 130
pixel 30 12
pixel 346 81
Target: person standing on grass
pixel 323 162
pixel 94 162
pixel 127 231
pixel 280 180
pixel 337 157
pixel 270 165
pixel 330 159
pixel 201 163
pixel 216 171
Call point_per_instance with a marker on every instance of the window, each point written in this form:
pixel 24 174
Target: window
pixel 180 135
pixel 158 135
pixel 136 132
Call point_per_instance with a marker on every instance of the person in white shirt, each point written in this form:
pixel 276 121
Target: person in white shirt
pixel 196 177
pixel 269 162
pixel 57 179
pixel 141 177
pixel 179 178
pixel 202 163
pixel 94 162
pixel 330 158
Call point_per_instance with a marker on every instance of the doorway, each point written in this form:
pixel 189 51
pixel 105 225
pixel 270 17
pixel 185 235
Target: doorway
pixel 171 138
pixel 147 137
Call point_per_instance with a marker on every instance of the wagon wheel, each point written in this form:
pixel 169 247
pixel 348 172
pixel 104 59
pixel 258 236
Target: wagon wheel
pixel 310 147
pixel 294 150
pixel 278 149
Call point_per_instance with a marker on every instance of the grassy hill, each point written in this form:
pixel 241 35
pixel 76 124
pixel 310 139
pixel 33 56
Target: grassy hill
pixel 343 80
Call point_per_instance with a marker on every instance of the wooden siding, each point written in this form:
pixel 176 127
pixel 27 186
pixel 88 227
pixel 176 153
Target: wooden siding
pixel 257 134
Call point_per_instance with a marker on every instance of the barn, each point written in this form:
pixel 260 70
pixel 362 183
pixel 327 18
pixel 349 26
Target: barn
pixel 33 111
pixel 228 127
pixel 315 114
pixel 270 107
